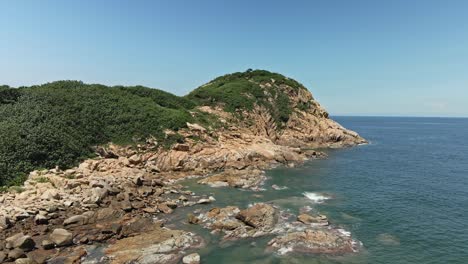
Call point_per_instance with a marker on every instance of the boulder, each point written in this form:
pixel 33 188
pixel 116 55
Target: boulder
pixel 164 208
pixel 76 220
pixel 47 244
pixel 261 216
pixel 25 261
pixel 50 194
pixel 41 220
pixel 326 241
pixel 4 222
pixel 61 237
pixel 195 127
pixel 308 219
pixel 193 258
pixel 135 159
pixel 16 254
pixel 20 241
pixel 192 219
pixel 181 147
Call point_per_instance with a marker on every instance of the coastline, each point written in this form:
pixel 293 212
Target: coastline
pixel 98 202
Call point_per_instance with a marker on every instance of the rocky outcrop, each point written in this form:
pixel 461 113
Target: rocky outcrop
pixel 158 245
pixel 314 241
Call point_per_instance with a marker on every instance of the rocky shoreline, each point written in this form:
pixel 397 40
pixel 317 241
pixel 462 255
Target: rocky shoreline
pixel 120 199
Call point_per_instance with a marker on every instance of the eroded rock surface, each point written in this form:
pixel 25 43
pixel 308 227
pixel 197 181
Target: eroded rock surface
pixel 158 245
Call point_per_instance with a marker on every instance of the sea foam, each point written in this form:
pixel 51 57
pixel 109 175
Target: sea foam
pixel 315 197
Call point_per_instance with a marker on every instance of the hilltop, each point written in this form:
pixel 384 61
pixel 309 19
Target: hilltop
pixel 61 123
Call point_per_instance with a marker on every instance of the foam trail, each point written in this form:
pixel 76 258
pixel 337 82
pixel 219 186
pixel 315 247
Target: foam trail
pixel 315 197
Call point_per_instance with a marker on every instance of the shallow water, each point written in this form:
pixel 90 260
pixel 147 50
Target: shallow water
pixel 404 196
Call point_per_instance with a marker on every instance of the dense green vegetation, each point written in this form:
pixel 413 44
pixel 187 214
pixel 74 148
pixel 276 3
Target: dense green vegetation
pixel 242 90
pixel 59 123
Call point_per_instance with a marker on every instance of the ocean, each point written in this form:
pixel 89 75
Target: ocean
pixel 404 196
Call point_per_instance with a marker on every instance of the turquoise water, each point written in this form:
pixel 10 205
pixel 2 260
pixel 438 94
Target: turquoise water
pixel 404 196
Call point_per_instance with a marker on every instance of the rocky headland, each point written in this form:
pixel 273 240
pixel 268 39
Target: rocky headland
pixel 120 200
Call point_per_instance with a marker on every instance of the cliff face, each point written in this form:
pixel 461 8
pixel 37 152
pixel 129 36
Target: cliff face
pixel 277 108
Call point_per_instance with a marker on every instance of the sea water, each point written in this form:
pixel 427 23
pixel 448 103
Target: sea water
pixel 404 196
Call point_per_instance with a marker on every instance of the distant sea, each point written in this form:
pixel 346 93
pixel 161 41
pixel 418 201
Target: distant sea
pixel 404 196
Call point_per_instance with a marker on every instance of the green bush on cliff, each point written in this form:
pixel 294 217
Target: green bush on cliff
pixel 242 90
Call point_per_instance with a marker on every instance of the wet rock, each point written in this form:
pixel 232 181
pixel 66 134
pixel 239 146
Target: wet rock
pixel 308 219
pixel 206 200
pixel 314 241
pixel 164 208
pixel 388 239
pixel 258 216
pixel 61 237
pixel 193 258
pixel 192 219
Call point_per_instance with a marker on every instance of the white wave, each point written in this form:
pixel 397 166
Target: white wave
pixel 344 232
pixel 315 197
pixel 284 250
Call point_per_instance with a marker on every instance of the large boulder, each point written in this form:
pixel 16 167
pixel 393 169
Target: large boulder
pixel 20 241
pixel 61 237
pixel 260 216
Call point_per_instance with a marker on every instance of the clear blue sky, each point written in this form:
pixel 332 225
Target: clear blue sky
pixel 372 57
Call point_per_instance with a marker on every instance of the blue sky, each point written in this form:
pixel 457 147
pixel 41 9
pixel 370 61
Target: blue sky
pixel 357 57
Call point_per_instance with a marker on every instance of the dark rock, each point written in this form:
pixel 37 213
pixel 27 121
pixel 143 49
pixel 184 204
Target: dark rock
pixel 41 220
pixel 47 244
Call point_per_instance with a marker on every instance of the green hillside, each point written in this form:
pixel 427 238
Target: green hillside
pixel 59 123
pixel 56 124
